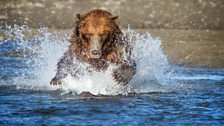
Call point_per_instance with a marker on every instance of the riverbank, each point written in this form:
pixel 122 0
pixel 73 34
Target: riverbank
pixel 139 14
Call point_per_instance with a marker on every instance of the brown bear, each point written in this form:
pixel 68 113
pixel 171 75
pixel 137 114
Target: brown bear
pixel 98 41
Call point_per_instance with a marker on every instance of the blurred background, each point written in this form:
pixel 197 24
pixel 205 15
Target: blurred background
pixel 191 30
pixel 141 14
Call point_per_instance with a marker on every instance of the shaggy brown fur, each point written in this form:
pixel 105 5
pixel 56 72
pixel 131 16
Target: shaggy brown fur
pixel 97 31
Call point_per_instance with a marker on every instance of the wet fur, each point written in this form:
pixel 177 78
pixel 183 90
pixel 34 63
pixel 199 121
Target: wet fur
pixel 112 50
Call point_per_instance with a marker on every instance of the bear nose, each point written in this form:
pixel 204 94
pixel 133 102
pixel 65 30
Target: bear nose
pixel 95 52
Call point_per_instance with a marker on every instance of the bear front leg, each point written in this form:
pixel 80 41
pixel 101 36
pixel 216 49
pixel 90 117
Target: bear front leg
pixel 63 69
pixel 124 73
pixel 61 73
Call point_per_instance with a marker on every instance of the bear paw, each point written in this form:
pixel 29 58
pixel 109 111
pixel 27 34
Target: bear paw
pixel 55 81
pixel 123 74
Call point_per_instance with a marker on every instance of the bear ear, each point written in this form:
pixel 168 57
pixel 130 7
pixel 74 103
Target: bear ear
pixel 79 16
pixel 114 17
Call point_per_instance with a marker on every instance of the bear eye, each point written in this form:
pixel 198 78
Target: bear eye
pixel 86 36
pixel 103 36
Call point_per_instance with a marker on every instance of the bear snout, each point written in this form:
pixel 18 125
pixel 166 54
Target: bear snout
pixel 95 47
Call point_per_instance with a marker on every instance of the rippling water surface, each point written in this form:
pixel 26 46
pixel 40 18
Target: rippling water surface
pixel 159 94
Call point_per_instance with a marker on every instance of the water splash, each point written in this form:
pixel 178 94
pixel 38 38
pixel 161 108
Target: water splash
pixel 42 50
pixel 153 67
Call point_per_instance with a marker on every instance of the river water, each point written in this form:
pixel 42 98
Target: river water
pixel 159 93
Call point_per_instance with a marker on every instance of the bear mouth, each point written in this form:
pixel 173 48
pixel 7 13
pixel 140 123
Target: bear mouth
pixel 95 57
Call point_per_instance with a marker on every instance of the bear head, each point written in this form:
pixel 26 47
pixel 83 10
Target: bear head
pixel 98 32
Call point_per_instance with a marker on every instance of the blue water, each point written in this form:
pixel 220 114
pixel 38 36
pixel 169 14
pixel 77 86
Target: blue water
pixel 48 108
pixel 187 96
